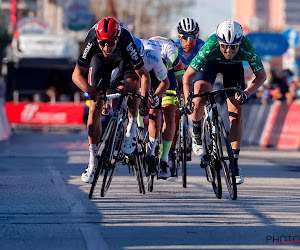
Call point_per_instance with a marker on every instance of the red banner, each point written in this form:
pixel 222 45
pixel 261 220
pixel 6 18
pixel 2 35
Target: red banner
pixel 290 134
pixel 45 113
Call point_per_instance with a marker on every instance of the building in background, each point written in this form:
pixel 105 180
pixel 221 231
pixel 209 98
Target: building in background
pixel 273 16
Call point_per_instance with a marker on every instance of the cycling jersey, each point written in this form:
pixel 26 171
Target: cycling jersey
pixel 185 57
pixel 169 53
pixel 210 51
pixel 152 59
pixel 125 49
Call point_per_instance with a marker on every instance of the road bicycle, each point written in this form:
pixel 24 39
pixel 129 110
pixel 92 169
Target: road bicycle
pixel 216 142
pixel 109 153
pixel 183 143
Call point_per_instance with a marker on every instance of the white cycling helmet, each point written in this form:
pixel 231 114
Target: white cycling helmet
pixel 229 32
pixel 187 26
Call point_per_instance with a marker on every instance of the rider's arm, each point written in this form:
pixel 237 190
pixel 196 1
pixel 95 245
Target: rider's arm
pixel 187 80
pixel 259 79
pixel 79 79
pixel 145 80
pixel 162 87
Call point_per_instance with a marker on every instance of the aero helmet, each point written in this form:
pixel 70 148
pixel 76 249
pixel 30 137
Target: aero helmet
pixel 187 26
pixel 229 32
pixel 107 29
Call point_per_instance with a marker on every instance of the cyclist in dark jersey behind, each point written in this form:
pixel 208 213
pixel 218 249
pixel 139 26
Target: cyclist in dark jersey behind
pixel 108 45
pixel 224 52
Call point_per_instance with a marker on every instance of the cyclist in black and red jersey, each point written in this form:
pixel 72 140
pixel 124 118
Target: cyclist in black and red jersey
pixel 108 45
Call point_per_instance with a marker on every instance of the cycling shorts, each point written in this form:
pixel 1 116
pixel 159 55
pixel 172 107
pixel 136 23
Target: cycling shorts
pixel 101 68
pixel 232 74
pixel 170 95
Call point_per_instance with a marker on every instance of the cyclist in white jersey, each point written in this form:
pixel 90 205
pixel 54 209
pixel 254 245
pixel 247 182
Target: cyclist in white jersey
pixel 161 55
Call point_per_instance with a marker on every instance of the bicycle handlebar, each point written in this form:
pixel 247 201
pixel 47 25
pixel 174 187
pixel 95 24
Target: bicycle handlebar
pixel 189 105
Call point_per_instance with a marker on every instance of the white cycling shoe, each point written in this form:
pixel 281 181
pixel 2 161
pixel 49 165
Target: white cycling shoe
pixel 239 179
pixel 197 144
pixel 129 144
pixel 88 175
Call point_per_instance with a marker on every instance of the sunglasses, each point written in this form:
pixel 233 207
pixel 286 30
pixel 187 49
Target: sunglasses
pixel 110 43
pixel 186 37
pixel 229 46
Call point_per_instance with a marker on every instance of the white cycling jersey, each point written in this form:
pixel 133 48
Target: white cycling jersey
pixel 152 59
pixel 168 50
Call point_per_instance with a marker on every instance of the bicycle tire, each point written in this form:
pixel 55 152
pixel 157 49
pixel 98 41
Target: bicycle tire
pixel 227 161
pixel 102 153
pixel 110 168
pixel 150 182
pixel 212 169
pixel 184 150
pixel 96 176
pixel 138 172
pixel 175 170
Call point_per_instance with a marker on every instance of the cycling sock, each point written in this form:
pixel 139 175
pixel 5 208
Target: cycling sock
pixel 236 153
pixel 93 148
pixel 132 124
pixel 140 121
pixel 165 150
pixel 197 127
pixel 151 146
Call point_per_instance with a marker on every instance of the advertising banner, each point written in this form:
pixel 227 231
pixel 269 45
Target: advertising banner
pixel 45 113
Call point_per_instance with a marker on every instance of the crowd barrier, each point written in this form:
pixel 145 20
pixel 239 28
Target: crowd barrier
pixel 270 125
pixel 5 129
pixel 267 125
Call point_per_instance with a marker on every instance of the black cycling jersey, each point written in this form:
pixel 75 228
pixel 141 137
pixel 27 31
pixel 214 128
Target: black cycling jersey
pixel 126 49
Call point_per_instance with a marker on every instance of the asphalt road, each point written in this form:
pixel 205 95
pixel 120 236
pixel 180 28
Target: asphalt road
pixel 44 205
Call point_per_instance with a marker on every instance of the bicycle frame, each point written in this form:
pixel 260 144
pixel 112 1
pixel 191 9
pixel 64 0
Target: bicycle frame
pixel 216 141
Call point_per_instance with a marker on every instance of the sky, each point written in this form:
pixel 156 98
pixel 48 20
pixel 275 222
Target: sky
pixel 208 14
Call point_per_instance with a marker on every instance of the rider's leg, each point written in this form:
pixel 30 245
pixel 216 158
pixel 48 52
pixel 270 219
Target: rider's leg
pixel 131 83
pixel 233 74
pixel 154 129
pixel 199 86
pixel 235 111
pixel 168 130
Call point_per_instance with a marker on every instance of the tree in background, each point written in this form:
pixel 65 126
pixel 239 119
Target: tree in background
pixel 145 18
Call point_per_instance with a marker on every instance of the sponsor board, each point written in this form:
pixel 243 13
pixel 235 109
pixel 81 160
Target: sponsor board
pixel 45 113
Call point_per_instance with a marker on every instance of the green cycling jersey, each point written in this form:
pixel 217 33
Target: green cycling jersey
pixel 210 51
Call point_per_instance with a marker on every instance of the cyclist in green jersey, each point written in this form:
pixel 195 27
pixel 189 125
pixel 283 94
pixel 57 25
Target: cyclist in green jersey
pixel 223 52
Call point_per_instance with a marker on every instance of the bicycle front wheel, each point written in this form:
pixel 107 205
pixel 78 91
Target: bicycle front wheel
pixel 138 171
pixel 111 157
pixel 184 148
pixel 213 168
pixel 103 152
pixel 226 159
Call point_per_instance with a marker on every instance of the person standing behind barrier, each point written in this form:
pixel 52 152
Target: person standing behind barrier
pixel 223 52
pixel 108 45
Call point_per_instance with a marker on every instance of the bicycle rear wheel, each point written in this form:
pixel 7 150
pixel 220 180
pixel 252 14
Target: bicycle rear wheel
pixel 226 159
pixel 212 169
